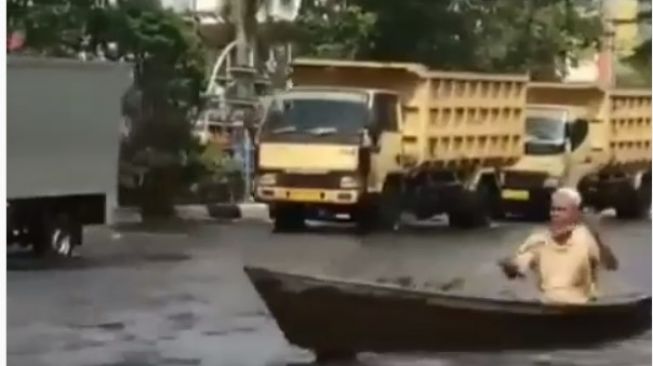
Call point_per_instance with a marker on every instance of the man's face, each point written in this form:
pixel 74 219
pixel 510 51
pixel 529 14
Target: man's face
pixel 563 211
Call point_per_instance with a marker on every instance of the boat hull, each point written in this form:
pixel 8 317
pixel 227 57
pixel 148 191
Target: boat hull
pixel 334 317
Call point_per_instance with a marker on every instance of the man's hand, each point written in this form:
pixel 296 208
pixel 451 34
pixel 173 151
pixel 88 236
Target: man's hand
pixel 509 268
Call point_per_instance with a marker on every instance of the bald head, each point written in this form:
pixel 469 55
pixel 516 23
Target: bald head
pixel 565 208
pixel 569 196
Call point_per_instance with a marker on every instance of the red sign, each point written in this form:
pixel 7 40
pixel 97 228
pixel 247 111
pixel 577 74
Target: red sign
pixel 15 41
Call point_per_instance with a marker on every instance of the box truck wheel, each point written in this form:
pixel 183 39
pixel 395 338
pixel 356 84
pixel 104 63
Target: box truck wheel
pixel 57 236
pixel 289 217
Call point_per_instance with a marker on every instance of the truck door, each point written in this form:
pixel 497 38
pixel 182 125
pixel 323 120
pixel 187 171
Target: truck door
pixel 386 149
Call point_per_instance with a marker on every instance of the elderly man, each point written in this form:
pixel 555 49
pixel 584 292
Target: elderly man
pixel 565 257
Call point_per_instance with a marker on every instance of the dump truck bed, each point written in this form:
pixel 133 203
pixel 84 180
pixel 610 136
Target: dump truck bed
pixel 63 127
pixel 630 129
pixel 450 119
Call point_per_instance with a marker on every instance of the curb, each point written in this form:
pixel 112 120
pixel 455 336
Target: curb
pixel 224 211
pixel 209 212
pixel 244 211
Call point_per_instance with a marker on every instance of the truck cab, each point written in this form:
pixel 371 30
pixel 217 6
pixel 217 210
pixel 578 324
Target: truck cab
pixel 325 151
pixel 556 138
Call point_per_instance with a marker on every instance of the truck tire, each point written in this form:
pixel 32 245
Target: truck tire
pixel 539 210
pixel 390 207
pixel 365 216
pixel 56 237
pixel 635 202
pixel 381 213
pixel 288 217
pixel 329 356
pixel 474 209
pixel 496 211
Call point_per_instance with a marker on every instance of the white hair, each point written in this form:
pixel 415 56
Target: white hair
pixel 571 193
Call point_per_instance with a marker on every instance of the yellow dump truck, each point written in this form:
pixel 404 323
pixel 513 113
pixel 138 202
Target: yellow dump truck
pixel 371 140
pixel 583 136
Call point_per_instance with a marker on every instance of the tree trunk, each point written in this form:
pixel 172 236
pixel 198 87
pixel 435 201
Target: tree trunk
pixel 158 193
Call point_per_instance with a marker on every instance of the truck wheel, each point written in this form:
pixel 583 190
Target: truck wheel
pixel 473 210
pixel 381 213
pixel 635 202
pixel 389 207
pixel 289 218
pixel 539 210
pixel 496 209
pixel 328 356
pixel 56 237
pixel 365 217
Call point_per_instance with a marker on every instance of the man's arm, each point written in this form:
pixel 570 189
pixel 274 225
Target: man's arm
pixel 606 256
pixel 595 254
pixel 523 260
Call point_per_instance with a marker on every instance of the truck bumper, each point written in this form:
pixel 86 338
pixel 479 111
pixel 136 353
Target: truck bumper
pixel 519 200
pixel 313 196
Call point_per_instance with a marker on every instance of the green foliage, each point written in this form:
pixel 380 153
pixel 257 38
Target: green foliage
pixel 212 158
pixel 169 71
pixel 335 32
pixel 640 61
pixel 218 163
pixel 55 27
pixel 487 35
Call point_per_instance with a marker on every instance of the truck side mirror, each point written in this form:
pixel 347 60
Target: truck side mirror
pixel 577 132
pixel 373 130
pixel 374 133
pixel 372 127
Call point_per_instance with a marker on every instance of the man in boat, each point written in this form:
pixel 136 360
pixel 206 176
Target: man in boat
pixel 565 257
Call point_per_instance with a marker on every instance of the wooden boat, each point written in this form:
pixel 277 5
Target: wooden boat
pixel 337 318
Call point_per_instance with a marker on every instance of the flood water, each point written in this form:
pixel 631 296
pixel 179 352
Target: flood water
pixel 180 297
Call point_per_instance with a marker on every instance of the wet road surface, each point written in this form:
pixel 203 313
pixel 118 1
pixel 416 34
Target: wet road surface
pixel 179 297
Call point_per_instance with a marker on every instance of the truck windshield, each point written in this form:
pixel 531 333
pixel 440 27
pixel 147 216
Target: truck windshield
pixel 315 117
pixel 545 136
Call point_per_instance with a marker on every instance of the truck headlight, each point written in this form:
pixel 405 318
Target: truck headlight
pixel 551 182
pixel 348 182
pixel 268 179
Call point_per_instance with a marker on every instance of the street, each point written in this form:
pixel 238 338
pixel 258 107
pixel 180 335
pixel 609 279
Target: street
pixel 178 295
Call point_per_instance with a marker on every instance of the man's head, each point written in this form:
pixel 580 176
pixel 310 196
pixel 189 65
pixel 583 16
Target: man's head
pixel 565 209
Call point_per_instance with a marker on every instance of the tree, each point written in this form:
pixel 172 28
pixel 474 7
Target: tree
pixel 54 27
pixel 334 29
pixel 535 36
pixel 169 70
pixel 640 60
pixel 484 35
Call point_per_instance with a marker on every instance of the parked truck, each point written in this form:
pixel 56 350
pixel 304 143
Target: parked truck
pixel 371 140
pixel 582 135
pixel 63 135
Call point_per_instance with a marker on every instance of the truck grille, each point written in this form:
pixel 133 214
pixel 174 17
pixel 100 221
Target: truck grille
pixel 309 180
pixel 524 180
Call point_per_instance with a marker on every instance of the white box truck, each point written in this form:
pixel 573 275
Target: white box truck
pixel 63 137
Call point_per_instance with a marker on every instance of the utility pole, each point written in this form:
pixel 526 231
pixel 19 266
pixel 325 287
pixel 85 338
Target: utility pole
pixel 606 53
pixel 244 73
pixel 244 19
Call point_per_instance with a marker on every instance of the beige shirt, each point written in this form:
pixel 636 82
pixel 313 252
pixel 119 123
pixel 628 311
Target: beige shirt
pixel 566 273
